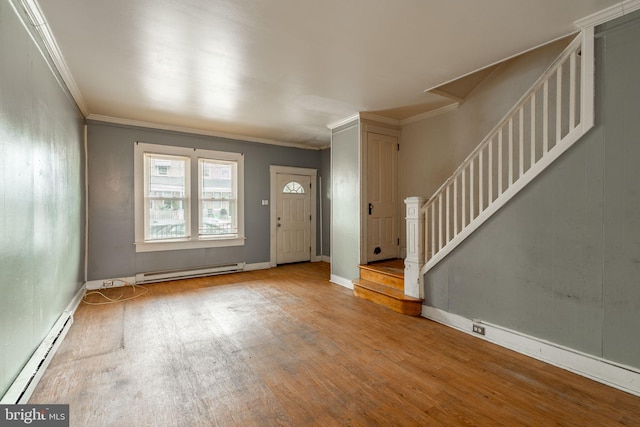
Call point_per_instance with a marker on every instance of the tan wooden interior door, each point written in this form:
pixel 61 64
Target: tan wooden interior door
pixel 382 196
pixel 293 214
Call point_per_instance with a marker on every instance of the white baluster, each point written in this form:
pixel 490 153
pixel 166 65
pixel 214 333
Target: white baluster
pixel 572 91
pixel 433 229
pixel 521 142
pixel 427 234
pixel 510 163
pixel 500 163
pixel 533 129
pixel 490 172
pixel 455 205
pixel 545 118
pixel 480 182
pixel 440 221
pixel 448 225
pixel 463 221
pixel 559 104
pixel 471 191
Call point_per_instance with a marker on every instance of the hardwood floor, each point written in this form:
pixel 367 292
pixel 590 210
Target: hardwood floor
pixel 286 347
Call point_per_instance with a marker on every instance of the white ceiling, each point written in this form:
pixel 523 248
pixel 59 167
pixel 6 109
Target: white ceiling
pixel 283 70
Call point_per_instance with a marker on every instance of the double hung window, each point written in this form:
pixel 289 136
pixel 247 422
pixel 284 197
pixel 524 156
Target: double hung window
pixel 217 197
pixel 187 198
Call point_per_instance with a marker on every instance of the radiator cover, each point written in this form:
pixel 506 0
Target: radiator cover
pixel 164 275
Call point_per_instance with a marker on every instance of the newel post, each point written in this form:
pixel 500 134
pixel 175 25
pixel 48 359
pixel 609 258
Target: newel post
pixel 415 246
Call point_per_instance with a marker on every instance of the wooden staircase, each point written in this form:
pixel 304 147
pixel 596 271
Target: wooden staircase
pixel 383 284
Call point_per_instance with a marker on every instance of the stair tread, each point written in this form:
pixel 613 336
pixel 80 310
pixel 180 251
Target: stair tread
pixel 385 290
pixel 390 271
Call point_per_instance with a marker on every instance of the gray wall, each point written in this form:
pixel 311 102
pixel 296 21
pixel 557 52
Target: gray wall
pixel 325 166
pixel 345 205
pixel 561 260
pixel 41 197
pixel 111 203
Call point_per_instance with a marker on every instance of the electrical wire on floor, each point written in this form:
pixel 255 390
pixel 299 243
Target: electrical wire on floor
pixel 119 298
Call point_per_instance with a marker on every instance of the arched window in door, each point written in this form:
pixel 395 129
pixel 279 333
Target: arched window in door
pixel 293 187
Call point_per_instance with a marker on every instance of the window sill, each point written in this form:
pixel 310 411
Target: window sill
pixel 175 245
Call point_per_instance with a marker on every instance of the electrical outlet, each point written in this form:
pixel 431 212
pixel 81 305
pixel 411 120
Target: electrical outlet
pixel 107 283
pixel 478 329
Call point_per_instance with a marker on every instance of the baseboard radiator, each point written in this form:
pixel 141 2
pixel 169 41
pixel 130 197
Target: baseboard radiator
pixel 24 385
pixel 165 275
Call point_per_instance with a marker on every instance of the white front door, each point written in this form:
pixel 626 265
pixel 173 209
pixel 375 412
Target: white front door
pixel 382 197
pixel 293 218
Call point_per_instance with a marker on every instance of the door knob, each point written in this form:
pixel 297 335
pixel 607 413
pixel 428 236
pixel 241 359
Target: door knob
pixel 370 208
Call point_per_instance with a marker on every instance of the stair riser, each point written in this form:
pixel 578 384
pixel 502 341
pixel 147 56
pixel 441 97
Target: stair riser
pixel 381 277
pixel 411 308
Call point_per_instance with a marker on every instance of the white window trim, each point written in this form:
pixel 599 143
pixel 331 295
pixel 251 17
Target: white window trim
pixel 193 242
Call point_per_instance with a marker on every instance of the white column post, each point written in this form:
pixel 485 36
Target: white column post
pixel 415 246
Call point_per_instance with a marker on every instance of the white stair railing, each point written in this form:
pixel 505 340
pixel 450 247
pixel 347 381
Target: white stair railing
pixel 555 112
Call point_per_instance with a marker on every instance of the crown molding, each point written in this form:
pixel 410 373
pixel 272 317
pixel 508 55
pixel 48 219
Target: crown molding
pixel 379 119
pixel 395 122
pixel 342 122
pixel 608 14
pixel 363 116
pixel 43 32
pixel 430 114
pixel 195 131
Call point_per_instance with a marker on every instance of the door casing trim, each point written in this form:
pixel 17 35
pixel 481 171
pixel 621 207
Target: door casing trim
pixel 274 170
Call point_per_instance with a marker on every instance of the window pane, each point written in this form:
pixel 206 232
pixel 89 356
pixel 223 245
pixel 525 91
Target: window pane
pixel 293 187
pixel 217 190
pixel 166 197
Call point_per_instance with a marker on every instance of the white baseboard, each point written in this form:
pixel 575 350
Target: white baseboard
pixel 25 383
pixel 257 266
pixel 75 302
pixel 326 259
pixel 622 377
pixel 341 281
